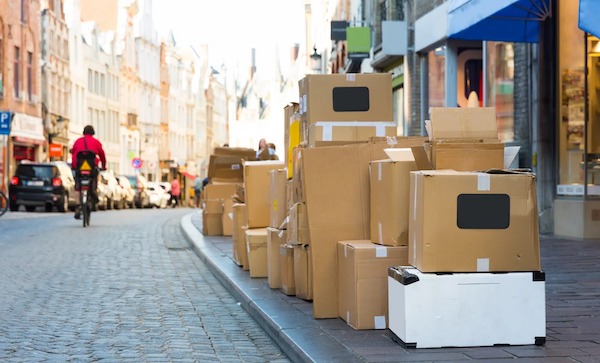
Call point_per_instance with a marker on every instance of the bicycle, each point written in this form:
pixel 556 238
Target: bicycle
pixel 3 204
pixel 85 200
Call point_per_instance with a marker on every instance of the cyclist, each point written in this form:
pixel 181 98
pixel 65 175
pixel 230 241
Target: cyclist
pixel 90 143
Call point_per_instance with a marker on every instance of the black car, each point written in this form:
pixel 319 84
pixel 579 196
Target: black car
pixel 45 185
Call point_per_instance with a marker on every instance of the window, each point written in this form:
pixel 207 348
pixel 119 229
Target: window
pixel 17 71
pixel 437 74
pixel 30 76
pixel 23 11
pixel 1 65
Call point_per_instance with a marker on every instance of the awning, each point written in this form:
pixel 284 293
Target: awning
pixel 188 175
pixel 515 21
pixel 588 16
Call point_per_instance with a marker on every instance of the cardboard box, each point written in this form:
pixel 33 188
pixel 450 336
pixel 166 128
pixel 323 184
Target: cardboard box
pixel 212 217
pixel 362 274
pixel 303 272
pixel 465 139
pixel 245 258
pixel 256 244
pixel 275 238
pixel 429 310
pixel 346 97
pixel 390 187
pixel 292 133
pixel 227 217
pixel 347 131
pixel 219 190
pixel 337 193
pixel 286 268
pixel 225 164
pixel 277 197
pixel 239 235
pixel 256 189
pixel 298 225
pixel 473 222
pixel 244 152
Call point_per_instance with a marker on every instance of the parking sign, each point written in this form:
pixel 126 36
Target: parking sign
pixel 4 123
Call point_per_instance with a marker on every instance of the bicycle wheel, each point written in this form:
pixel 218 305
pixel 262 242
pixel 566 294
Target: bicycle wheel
pixel 85 209
pixel 3 204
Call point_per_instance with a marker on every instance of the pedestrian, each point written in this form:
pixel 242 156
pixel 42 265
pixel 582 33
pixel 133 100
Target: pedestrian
pixel 272 154
pixel 263 150
pixel 175 191
pixel 197 191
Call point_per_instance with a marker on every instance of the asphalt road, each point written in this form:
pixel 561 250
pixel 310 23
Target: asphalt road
pixel 127 289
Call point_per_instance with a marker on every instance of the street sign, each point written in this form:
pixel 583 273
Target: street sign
pixel 4 123
pixel 136 163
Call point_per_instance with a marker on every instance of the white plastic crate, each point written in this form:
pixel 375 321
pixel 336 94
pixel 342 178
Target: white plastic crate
pixel 429 310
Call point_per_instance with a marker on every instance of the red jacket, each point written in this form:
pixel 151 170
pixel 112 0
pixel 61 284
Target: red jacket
pixel 93 145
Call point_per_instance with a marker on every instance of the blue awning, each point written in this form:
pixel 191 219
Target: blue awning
pixel 588 16
pixel 515 21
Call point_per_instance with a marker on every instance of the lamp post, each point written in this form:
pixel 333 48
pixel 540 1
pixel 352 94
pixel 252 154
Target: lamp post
pixel 315 61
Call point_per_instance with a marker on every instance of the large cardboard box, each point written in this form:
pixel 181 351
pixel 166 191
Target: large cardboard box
pixel 362 273
pixel 303 272
pixel 337 194
pixel 286 268
pixel 390 187
pixel 256 188
pixel 225 164
pixel 212 217
pixel 277 197
pixel 473 222
pixel 323 132
pixel 239 235
pixel 275 238
pixel 429 310
pixel 256 244
pixel 346 97
pixel 465 139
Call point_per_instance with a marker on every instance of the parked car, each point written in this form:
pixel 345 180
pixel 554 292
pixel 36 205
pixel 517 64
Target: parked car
pixel 139 183
pixel 128 192
pixel 45 185
pixel 110 194
pixel 159 198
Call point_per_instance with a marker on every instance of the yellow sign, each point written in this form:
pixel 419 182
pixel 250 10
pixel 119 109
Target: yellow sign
pixel 85 166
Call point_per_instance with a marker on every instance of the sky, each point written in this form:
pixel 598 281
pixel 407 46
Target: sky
pixel 232 27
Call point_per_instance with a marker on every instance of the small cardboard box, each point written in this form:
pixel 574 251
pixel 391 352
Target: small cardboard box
pixel 275 237
pixel 390 187
pixel 362 272
pixel 298 225
pixel 256 243
pixel 286 268
pixel 346 97
pixel 225 164
pixel 227 217
pixel 212 217
pixel 341 132
pixel 303 272
pixel 256 188
pixel 239 235
pixel 465 139
pixel 428 310
pixel 473 222
pixel 277 197
pixel 219 190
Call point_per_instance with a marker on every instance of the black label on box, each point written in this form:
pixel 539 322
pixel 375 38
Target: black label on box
pixel 483 211
pixel 351 99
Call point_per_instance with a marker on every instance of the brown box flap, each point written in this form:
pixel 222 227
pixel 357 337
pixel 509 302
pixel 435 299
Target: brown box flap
pixel 463 123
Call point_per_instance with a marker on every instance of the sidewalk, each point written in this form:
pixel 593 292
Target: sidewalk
pixel 572 270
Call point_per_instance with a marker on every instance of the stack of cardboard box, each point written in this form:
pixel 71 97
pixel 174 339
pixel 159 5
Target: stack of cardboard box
pixel 474 267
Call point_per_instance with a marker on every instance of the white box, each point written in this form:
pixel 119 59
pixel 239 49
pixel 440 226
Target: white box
pixel 429 310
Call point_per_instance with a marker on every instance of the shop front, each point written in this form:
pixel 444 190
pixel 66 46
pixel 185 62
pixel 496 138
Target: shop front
pixel 26 140
pixel 577 207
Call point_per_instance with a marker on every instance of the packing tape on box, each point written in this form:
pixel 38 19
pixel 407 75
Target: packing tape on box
pixel 327 126
pixel 483 181
pixel 381 252
pixel 483 265
pixel 380 232
pixel 351 77
pixel 379 171
pixel 379 322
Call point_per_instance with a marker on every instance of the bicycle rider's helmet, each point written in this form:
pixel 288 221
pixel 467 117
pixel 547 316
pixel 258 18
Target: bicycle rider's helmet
pixel 88 130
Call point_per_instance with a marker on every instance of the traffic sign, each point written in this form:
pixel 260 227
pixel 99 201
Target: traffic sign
pixel 137 163
pixel 4 123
